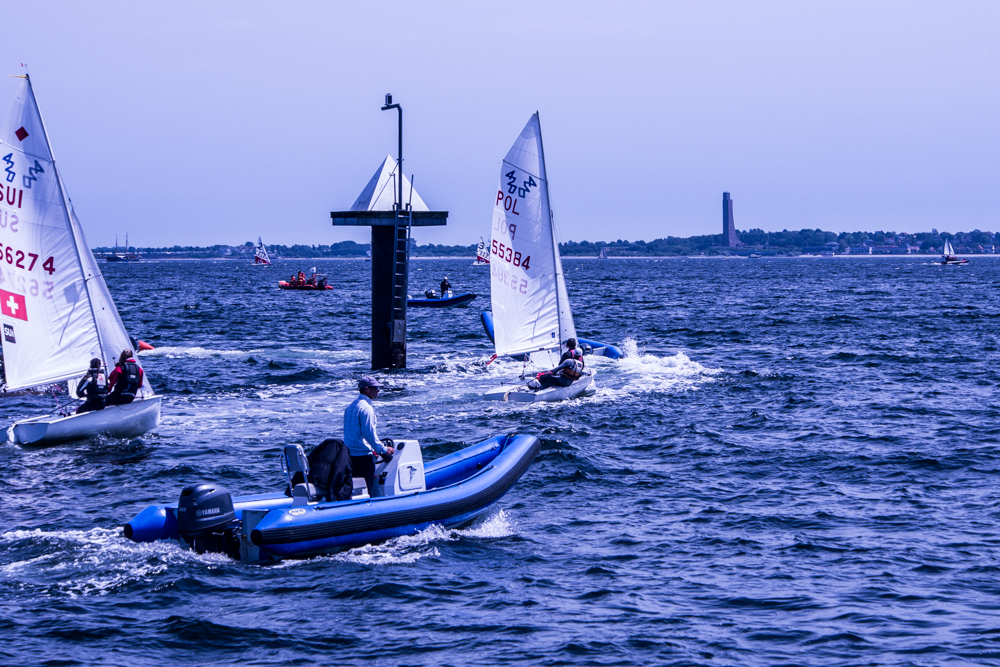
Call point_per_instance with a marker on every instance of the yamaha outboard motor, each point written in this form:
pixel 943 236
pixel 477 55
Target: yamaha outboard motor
pixel 206 520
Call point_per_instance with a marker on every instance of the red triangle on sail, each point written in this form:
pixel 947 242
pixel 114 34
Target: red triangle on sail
pixel 21 134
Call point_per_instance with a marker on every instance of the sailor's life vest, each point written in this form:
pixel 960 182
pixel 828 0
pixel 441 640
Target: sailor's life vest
pixel 128 382
pixel 575 370
pixel 92 385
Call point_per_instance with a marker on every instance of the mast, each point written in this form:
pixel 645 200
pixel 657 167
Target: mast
pixel 556 264
pixel 69 220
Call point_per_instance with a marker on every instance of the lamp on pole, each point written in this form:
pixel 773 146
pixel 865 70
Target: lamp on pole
pixel 399 162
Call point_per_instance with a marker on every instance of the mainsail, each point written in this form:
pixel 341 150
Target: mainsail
pixel 55 308
pixel 948 250
pixel 260 253
pixel 482 252
pixel 531 312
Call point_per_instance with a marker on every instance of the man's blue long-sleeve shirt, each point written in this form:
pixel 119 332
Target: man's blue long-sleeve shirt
pixel 359 428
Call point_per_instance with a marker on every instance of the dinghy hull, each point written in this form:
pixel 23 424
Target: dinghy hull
pixel 116 421
pixel 522 394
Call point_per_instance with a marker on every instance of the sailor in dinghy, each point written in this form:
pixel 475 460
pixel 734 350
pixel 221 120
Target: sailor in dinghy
pixel 531 309
pixel 55 308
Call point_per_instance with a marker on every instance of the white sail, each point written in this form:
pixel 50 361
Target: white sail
pixel 531 312
pixel 948 250
pixel 260 253
pixel 55 308
pixel 482 252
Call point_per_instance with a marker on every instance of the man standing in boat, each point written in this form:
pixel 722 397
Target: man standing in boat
pixel 359 431
pixel 445 286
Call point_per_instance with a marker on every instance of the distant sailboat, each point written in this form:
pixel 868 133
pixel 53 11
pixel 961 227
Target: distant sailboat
pixel 122 257
pixel 949 256
pixel 55 308
pixel 531 310
pixel 368 255
pixel 260 256
pixel 603 254
pixel 482 254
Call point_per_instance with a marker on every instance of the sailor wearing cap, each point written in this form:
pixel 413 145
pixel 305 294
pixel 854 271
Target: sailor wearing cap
pixel 359 431
pixel 445 286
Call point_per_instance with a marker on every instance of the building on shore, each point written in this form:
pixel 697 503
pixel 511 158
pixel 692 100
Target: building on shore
pixel 729 238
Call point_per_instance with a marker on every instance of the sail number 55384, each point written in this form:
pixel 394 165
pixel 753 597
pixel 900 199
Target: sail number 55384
pixel 507 254
pixel 516 284
pixel 17 258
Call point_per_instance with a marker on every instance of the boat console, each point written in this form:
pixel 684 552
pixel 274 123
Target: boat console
pixel 404 473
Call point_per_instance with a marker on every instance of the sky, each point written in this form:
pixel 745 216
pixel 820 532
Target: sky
pixel 202 123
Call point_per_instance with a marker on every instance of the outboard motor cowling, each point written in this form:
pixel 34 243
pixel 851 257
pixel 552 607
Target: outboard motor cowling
pixel 206 518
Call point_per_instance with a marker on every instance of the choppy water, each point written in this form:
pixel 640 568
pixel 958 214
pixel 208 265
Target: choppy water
pixel 796 463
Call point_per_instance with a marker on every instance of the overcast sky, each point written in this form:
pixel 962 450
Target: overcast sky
pixel 212 122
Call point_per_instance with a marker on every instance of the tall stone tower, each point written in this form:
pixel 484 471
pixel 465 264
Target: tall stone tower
pixel 729 238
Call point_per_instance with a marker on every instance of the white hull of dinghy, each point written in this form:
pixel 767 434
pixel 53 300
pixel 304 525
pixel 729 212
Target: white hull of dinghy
pixel 522 394
pixel 116 421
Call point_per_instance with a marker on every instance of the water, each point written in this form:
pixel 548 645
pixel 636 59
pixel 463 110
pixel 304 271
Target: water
pixel 796 463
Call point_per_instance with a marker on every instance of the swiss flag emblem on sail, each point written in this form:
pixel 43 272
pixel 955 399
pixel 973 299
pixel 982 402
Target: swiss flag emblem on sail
pixel 12 305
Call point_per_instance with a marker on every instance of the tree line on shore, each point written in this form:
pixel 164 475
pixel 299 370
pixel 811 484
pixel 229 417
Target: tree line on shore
pixel 784 242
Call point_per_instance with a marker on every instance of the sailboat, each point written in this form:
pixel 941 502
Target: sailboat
pixel 531 312
pixel 55 308
pixel 482 254
pixel 949 256
pixel 118 257
pixel 260 256
pixel 603 254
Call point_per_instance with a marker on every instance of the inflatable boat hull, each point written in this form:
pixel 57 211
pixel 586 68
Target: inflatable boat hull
pixel 458 301
pixel 459 487
pixel 116 421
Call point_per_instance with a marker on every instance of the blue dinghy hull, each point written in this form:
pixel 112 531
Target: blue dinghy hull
pixel 271 527
pixel 597 349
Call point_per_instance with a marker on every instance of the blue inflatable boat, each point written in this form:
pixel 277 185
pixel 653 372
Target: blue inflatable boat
pixel 441 302
pixel 588 346
pixel 408 497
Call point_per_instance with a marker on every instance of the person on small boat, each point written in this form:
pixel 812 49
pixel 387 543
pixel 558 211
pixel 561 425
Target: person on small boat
pixel 565 373
pixel 93 387
pixel 301 279
pixel 445 286
pixel 125 381
pixel 311 281
pixel 360 434
pixel 571 351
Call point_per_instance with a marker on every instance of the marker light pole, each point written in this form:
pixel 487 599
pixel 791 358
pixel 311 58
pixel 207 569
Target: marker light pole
pixel 399 161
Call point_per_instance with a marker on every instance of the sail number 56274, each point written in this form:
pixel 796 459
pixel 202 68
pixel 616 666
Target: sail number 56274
pixel 17 258
pixel 507 254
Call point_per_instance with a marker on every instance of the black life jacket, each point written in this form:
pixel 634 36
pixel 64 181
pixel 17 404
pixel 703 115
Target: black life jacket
pixel 330 470
pixel 92 386
pixel 128 382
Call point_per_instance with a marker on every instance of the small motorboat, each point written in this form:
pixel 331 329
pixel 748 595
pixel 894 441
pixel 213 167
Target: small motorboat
pixel 316 282
pixel 586 346
pixel 522 393
pixel 409 496
pixel 433 300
